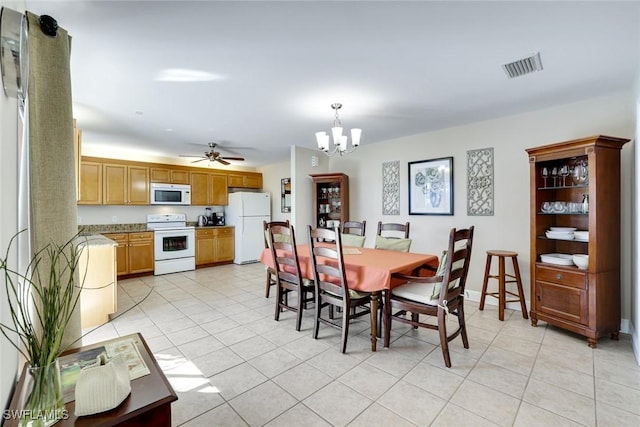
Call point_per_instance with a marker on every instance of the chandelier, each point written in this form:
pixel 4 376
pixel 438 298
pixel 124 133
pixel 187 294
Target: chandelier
pixel 339 140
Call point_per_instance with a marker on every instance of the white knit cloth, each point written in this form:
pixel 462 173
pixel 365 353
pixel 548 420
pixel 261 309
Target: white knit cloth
pixel 102 386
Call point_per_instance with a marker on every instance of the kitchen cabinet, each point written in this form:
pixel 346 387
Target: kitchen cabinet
pixel 244 180
pixel 214 245
pixel 134 253
pixel 166 175
pixel 90 183
pixel 583 301
pixel 98 297
pixel 330 199
pixel 208 189
pixel 125 185
pixel 141 256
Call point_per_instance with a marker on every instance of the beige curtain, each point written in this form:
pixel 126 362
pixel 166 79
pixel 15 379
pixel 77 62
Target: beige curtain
pixel 52 179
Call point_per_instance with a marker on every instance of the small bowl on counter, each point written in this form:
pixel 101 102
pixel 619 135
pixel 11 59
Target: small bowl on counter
pixel 581 261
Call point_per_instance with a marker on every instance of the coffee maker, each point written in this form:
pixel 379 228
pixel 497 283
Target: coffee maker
pixel 218 218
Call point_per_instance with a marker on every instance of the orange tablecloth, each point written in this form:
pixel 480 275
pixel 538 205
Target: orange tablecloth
pixel 368 271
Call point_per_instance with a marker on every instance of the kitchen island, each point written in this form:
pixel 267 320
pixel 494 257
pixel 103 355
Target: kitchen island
pixel 97 267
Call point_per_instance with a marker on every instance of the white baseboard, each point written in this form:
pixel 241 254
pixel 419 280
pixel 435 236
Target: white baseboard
pixel 625 325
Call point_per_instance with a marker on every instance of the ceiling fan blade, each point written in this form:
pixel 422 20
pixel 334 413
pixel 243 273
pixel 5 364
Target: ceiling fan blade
pixel 232 158
pixel 224 162
pixel 204 158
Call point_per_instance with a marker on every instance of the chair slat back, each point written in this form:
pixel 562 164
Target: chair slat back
pixel 266 226
pixel 393 227
pixel 327 261
pixel 282 241
pixel 354 227
pixel 457 263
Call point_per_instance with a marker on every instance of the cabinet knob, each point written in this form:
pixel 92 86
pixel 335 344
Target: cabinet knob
pixel 558 276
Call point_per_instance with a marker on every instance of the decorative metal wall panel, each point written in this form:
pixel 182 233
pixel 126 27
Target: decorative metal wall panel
pixel 391 188
pixel 480 182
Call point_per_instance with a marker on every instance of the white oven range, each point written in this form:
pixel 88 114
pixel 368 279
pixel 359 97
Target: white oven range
pixel 174 243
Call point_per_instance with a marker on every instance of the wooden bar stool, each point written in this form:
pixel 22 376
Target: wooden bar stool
pixel 502 281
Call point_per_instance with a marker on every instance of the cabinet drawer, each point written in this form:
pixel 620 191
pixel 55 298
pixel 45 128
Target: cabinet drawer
pixel 145 235
pixel 204 233
pixel 223 232
pixel 574 279
pixel 117 237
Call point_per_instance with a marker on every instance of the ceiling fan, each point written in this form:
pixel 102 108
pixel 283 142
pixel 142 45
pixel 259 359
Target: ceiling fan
pixel 214 156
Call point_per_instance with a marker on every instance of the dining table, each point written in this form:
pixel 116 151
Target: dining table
pixel 367 270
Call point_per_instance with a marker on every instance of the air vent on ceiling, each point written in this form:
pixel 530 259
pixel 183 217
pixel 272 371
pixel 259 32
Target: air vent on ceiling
pixel 523 66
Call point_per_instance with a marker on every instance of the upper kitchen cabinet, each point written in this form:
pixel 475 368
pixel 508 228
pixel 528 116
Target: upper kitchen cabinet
pixel 171 176
pixel 125 185
pixel 90 183
pixel 208 189
pixel 244 179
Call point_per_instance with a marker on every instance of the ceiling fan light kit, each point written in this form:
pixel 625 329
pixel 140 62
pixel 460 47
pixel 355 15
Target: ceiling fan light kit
pixel 339 140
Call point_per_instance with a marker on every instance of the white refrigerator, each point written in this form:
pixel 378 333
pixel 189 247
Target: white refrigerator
pixel 246 211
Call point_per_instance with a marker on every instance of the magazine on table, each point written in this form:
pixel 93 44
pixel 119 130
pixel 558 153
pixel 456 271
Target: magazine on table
pixel 72 364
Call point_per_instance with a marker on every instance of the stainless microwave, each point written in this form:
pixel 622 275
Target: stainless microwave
pixel 170 194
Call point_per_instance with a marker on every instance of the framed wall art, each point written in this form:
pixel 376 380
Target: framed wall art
pixel 431 187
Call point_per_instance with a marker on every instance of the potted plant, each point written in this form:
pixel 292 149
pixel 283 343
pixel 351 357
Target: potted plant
pixel 42 300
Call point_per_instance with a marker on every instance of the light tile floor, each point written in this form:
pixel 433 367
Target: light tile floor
pixel 212 331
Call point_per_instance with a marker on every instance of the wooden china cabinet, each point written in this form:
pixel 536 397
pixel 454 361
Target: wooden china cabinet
pixel 330 198
pixel 584 301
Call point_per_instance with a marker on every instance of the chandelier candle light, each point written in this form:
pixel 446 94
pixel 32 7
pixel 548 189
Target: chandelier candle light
pixel 339 140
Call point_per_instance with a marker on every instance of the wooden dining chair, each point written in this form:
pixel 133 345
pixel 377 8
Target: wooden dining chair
pixel 393 230
pixel 437 295
pixel 390 236
pixel 331 286
pixel 288 276
pixel 354 227
pixel 271 273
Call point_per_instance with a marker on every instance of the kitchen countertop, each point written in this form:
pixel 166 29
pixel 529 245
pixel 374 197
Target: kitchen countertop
pixel 96 240
pixel 97 229
pixel 112 228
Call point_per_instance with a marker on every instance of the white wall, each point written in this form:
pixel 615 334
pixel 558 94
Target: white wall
pixel 104 214
pixel 271 176
pixel 509 136
pixel 8 219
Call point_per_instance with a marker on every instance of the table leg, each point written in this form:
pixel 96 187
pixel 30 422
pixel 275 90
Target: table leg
pixel 374 319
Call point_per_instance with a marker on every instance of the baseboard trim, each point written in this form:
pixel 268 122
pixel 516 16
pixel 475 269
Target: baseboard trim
pixel 625 325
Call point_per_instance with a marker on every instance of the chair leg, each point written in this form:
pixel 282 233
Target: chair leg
pixel 386 306
pixel 301 304
pixel 268 288
pixel 279 291
pixel 345 327
pixel 463 325
pixel 485 282
pixel 442 328
pixel 317 309
pixel 414 318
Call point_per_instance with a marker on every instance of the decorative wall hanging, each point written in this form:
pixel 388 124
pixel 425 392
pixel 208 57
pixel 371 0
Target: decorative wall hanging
pixel 285 192
pixel 391 188
pixel 480 182
pixel 431 187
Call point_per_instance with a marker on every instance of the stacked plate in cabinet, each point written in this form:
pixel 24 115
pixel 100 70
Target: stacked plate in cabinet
pixel 561 233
